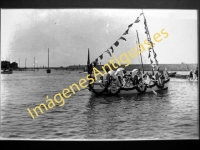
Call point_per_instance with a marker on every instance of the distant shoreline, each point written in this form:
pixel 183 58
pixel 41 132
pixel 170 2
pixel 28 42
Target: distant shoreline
pixel 147 67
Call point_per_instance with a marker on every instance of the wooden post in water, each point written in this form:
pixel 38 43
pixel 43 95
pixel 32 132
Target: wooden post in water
pixel 34 64
pixel 48 70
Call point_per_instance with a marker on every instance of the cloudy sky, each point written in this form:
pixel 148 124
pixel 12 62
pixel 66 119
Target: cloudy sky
pixel 68 33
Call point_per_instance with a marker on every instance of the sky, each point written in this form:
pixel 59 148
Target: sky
pixel 69 33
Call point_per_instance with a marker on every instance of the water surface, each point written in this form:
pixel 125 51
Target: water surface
pixel 172 114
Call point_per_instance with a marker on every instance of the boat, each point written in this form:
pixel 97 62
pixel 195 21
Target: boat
pixel 99 87
pixel 172 74
pixel 193 79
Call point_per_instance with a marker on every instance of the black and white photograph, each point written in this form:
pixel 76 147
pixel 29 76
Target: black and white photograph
pixel 99 74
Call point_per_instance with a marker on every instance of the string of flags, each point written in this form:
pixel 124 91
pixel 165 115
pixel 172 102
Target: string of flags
pixel 151 44
pixel 117 42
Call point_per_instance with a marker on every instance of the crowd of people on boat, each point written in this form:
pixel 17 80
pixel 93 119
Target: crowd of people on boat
pixel 136 77
pixel 193 75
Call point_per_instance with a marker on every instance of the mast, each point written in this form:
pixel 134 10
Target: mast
pixel 48 58
pixel 34 64
pixel 140 52
pixel 89 69
pixel 88 62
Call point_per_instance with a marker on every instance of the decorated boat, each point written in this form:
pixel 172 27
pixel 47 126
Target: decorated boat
pixel 118 81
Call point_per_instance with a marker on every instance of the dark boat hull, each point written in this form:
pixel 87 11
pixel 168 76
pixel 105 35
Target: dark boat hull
pixel 172 74
pixel 48 71
pixel 98 89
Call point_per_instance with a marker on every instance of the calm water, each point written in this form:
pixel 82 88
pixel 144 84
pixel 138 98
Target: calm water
pixel 172 114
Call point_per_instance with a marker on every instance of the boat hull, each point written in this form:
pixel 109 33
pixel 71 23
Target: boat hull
pixel 99 89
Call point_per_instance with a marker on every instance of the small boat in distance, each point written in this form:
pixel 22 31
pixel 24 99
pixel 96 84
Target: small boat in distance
pixel 172 74
pixel 48 70
pixel 6 72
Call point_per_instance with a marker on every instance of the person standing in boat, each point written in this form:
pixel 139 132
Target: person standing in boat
pixel 152 79
pixel 119 75
pixel 140 79
pixel 134 77
pixel 156 76
pixel 106 78
pixel 124 78
pixel 166 74
pixel 135 80
pixel 191 75
pixel 139 74
pixel 114 81
pixel 196 73
pixel 146 79
pixel 161 76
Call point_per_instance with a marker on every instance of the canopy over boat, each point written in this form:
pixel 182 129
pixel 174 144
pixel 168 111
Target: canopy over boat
pixel 111 72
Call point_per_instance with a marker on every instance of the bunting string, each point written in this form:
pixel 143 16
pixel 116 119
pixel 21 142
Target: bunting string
pixel 151 43
pixel 117 42
pixel 112 49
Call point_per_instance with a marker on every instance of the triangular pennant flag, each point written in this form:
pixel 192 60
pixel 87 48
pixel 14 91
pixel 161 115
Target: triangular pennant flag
pixel 130 25
pixel 145 22
pixel 156 62
pixel 137 20
pixel 153 52
pixel 109 53
pixel 101 56
pixel 116 43
pixel 126 32
pixel 149 55
pixel 152 45
pixel 95 63
pixel 122 38
pixel 112 49
pixel 155 55
pixel 151 61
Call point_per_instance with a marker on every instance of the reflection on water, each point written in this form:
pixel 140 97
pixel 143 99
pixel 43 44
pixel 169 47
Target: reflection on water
pixel 172 114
